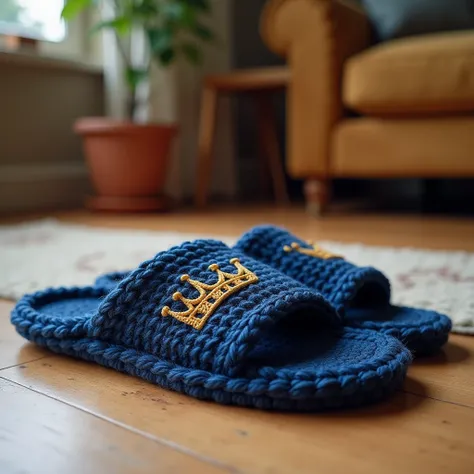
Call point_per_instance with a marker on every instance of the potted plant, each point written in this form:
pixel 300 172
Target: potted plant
pixel 128 160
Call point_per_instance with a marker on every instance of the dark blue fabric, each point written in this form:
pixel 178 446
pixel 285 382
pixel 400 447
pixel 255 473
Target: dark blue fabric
pixel 273 344
pixel 337 279
pixel 131 313
pixel 399 18
pixel 361 294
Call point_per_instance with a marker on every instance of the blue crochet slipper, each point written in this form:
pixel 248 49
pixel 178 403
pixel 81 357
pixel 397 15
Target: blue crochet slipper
pixel 360 294
pixel 204 320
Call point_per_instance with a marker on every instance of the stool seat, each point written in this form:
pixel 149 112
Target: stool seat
pixel 250 79
pixel 260 83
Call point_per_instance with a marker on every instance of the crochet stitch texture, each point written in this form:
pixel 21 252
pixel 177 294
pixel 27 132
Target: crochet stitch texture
pixel 260 347
pixel 347 286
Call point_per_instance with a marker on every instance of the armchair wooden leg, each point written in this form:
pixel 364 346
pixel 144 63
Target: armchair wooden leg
pixel 317 196
pixel 207 132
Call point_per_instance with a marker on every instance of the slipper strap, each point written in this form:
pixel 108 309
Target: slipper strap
pixel 202 305
pixel 337 280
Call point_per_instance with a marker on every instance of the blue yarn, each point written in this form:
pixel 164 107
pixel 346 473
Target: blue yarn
pixel 274 344
pixel 111 280
pixel 360 294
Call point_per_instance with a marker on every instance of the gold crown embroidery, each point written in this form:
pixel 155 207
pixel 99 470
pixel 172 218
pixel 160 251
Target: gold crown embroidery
pixel 210 296
pixel 314 251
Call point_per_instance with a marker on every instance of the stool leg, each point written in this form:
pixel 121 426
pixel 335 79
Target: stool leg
pixel 266 186
pixel 267 132
pixel 207 132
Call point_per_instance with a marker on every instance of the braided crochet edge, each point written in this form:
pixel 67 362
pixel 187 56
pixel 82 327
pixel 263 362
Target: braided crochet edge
pixel 278 393
pixel 268 394
pixel 421 339
pixel 279 389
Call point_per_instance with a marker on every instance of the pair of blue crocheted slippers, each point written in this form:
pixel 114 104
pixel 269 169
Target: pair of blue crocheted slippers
pixel 272 323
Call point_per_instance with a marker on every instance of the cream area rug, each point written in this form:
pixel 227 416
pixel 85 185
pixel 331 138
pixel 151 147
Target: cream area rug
pixel 46 253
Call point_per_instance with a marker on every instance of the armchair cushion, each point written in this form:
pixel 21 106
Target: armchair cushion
pixel 426 74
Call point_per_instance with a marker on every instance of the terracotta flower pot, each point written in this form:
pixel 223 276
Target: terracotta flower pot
pixel 128 163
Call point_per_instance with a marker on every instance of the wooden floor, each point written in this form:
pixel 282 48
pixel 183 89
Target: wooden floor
pixel 59 415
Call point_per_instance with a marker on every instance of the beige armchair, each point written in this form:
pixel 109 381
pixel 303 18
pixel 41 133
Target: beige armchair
pixel 402 108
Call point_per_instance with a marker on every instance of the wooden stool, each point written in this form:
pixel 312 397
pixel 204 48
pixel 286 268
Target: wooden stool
pixel 260 83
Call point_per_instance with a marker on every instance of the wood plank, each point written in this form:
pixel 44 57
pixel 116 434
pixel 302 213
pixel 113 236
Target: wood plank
pixel 449 375
pixel 13 349
pixel 407 434
pixel 392 230
pixel 40 434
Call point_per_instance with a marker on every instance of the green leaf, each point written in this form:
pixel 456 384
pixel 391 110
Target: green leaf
pixel 135 76
pixel 179 14
pixel 203 5
pixel 144 9
pixel 203 32
pixel 160 39
pixel 167 56
pixel 121 25
pixel 73 7
pixel 192 53
pixel 173 11
pixel 189 18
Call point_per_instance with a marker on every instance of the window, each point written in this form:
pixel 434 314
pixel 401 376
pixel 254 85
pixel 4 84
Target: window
pixel 37 19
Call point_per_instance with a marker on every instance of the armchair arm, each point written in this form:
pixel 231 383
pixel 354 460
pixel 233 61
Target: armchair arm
pixel 316 36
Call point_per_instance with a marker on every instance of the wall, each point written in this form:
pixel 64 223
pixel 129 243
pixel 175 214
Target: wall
pixel 78 45
pixel 41 161
pixel 218 58
pixel 249 51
